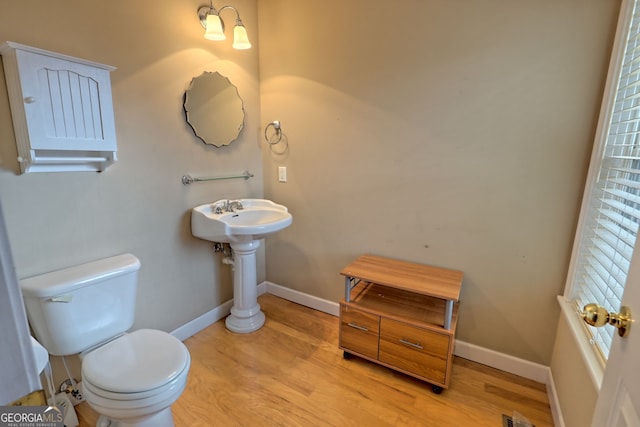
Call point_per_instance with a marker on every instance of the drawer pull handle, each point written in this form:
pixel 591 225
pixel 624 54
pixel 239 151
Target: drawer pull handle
pixel 356 326
pixel 412 344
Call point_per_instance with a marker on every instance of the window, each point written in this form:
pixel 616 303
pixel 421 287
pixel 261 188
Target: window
pixel 611 209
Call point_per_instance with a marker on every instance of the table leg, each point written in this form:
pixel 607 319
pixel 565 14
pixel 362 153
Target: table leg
pixel 347 288
pixel 448 314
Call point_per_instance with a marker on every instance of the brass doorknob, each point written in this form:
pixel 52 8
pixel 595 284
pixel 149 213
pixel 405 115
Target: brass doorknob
pixel 598 316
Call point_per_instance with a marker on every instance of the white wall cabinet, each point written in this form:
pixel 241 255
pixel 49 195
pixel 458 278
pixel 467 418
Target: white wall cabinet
pixel 61 108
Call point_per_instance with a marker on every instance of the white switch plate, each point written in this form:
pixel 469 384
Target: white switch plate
pixel 282 173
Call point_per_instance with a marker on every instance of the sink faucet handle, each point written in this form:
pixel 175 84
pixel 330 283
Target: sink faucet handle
pixel 218 207
pixel 236 204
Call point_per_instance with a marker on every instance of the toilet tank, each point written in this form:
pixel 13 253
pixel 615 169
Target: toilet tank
pixel 75 308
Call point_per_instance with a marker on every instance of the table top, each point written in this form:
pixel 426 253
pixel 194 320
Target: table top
pixel 419 278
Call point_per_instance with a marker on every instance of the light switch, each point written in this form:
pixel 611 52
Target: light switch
pixel 282 173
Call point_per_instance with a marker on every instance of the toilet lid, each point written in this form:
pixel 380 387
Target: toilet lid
pixel 136 362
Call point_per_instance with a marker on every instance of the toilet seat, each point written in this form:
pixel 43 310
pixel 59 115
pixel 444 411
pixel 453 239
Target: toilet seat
pixel 138 365
pixel 135 403
pixel 142 398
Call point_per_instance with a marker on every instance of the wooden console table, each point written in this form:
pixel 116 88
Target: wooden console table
pixel 401 315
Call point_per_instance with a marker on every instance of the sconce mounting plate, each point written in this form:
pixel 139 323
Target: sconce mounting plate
pixel 203 11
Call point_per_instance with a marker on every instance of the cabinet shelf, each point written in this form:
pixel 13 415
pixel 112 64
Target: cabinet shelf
pixel 421 310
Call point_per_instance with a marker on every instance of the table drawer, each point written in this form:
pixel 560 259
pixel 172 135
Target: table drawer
pixel 359 331
pixel 416 350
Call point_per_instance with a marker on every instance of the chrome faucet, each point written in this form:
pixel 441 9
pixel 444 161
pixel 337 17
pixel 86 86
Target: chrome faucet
pixel 228 206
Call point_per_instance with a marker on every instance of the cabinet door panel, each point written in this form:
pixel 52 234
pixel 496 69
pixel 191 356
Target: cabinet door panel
pixel 359 331
pixel 415 350
pixel 69 107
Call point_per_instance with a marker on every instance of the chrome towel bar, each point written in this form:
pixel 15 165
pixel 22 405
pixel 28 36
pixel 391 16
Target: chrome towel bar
pixel 188 179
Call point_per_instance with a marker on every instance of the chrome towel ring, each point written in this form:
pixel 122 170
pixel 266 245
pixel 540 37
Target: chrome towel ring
pixel 276 136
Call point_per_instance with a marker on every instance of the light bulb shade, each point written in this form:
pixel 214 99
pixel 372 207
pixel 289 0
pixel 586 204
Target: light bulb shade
pixel 240 37
pixel 214 28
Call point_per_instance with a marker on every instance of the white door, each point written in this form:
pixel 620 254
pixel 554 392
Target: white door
pixel 17 361
pixel 619 398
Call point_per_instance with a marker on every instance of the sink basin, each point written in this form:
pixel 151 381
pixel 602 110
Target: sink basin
pixel 256 220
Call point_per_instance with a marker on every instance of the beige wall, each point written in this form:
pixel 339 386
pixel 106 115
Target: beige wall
pixel 138 205
pixel 453 133
pixel 450 133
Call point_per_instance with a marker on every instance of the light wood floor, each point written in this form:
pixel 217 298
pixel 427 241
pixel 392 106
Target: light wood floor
pixel 291 373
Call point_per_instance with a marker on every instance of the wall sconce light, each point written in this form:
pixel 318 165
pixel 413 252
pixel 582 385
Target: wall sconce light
pixel 214 26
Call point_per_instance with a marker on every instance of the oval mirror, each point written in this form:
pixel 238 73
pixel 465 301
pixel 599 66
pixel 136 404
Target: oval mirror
pixel 214 109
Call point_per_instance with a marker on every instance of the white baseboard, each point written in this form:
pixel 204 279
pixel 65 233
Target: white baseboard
pixel 209 318
pixel 554 401
pixel 504 362
pixel 199 323
pixel 301 298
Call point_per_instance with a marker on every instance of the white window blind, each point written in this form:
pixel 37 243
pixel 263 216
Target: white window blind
pixel 613 214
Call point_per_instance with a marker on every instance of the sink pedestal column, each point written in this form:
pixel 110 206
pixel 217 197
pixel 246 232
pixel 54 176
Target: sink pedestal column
pixel 246 315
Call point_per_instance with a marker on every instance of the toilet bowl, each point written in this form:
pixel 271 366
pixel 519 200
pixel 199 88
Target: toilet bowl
pixel 130 378
pixel 136 378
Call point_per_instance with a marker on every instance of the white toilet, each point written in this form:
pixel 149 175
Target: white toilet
pixel 130 379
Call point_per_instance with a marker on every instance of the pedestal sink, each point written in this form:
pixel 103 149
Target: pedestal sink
pixel 241 223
